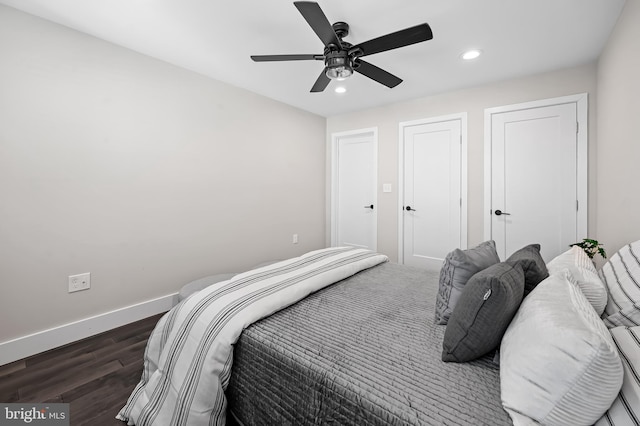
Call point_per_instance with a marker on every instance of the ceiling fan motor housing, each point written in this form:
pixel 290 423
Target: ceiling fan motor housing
pixel 340 61
pixel 341 29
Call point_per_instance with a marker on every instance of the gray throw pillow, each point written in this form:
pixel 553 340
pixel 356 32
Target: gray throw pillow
pixel 486 307
pixel 535 270
pixel 458 267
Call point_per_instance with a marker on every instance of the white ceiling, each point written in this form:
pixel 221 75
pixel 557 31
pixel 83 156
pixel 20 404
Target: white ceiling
pixel 216 38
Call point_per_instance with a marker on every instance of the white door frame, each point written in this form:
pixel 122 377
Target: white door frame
pixel 463 175
pixel 582 104
pixel 335 138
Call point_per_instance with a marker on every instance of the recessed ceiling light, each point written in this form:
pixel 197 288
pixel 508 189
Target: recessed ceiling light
pixel 340 89
pixel 471 54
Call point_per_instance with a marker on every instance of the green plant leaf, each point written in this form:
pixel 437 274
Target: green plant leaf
pixel 591 247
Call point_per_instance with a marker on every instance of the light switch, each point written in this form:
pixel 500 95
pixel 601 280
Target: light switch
pixel 386 187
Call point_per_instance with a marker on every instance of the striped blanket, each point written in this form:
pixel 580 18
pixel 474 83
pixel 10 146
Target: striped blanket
pixel 190 352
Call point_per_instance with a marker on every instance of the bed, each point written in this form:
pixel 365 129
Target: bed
pixel 362 351
pixel 342 336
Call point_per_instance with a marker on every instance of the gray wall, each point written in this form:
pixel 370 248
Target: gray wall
pixel 148 176
pixel 144 174
pixel 472 101
pixel 619 133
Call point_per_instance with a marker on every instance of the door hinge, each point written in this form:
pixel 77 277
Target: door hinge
pixel 577 127
pixel 577 206
pixel 460 202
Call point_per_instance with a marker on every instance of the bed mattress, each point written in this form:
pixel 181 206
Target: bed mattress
pixel 364 351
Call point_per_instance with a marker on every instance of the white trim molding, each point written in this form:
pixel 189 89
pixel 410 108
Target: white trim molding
pixel 462 117
pixel 582 112
pixel 32 344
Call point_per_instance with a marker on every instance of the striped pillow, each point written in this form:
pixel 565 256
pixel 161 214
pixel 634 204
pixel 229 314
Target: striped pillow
pixel 621 275
pixel 576 261
pixel 626 407
pixel 558 362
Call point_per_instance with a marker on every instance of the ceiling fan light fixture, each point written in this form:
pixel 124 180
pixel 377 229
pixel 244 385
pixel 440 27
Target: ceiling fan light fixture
pixel 339 73
pixel 338 66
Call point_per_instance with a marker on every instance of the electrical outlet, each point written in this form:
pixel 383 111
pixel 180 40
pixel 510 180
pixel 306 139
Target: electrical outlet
pixel 295 239
pixel 79 282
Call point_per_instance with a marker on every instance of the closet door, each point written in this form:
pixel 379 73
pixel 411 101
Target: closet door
pixel 432 193
pixel 354 196
pixel 534 178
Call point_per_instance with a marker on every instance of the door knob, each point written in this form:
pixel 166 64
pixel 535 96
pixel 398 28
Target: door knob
pixel 369 207
pixel 409 209
pixel 500 212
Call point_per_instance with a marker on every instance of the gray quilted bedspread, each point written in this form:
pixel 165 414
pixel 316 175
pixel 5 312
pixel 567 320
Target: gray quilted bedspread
pixel 364 351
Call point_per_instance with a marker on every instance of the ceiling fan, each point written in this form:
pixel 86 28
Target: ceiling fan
pixel 341 58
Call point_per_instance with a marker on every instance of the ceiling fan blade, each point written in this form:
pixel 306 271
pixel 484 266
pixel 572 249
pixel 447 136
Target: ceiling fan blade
pixel 377 74
pixel 321 83
pixel 395 40
pixel 266 58
pixel 316 18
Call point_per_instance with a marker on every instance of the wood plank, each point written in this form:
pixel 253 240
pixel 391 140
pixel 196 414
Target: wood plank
pixel 12 367
pixel 104 418
pixel 103 397
pixel 124 378
pixel 9 395
pixel 63 382
pixel 43 371
pixel 127 351
pixel 73 349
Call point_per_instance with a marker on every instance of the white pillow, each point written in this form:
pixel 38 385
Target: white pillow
pixel 576 261
pixel 575 256
pixel 621 275
pixel 626 407
pixel 558 363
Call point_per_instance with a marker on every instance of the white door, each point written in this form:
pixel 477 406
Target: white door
pixel 534 178
pixel 354 216
pixel 432 193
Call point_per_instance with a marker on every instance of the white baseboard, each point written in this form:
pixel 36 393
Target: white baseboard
pixel 22 347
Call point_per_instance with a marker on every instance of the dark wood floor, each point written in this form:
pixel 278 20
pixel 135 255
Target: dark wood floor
pixel 95 375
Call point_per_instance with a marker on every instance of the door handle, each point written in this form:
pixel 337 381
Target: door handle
pixel 409 209
pixel 500 212
pixel 369 207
